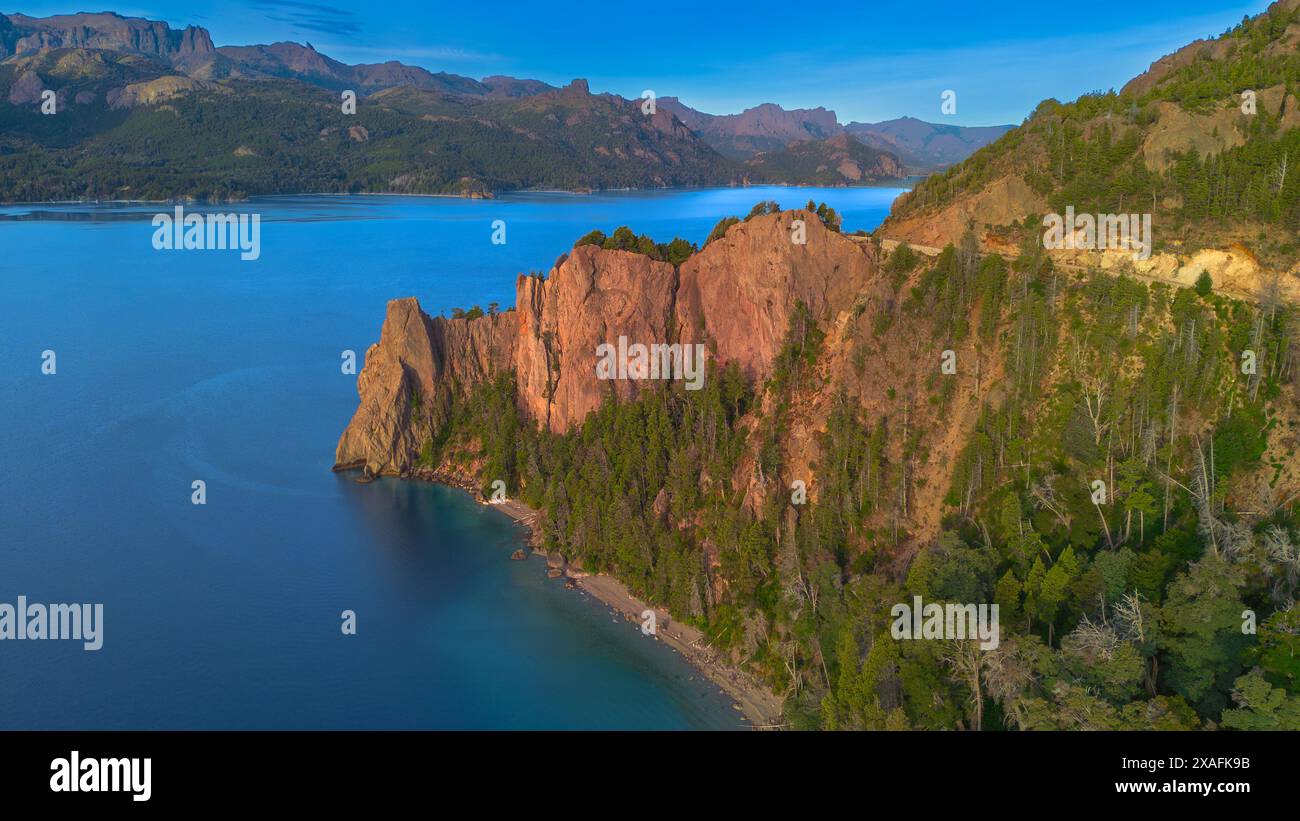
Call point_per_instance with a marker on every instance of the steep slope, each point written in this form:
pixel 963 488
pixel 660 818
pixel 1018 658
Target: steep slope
pixel 1083 448
pixel 22 34
pixel 923 146
pixel 736 296
pixel 1203 141
pixel 739 297
pixel 839 160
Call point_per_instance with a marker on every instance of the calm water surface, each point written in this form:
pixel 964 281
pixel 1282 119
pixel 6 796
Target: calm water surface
pixel 181 365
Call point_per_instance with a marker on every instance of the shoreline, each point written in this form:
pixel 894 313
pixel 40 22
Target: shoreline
pixel 760 706
pixel 903 183
pixel 757 703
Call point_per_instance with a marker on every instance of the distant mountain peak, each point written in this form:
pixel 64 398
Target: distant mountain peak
pixel 768 127
pixel 102 30
pixel 926 146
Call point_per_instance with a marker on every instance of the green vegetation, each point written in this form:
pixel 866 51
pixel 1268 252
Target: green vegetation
pixel 243 138
pixel 834 162
pixel 823 211
pixel 1089 153
pixel 826 214
pixel 623 239
pixel 1204 284
pixel 720 230
pixel 1123 614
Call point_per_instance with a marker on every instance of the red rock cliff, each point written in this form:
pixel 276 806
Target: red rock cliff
pixel 735 296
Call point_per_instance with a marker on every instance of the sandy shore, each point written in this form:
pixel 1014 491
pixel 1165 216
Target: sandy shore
pixel 758 703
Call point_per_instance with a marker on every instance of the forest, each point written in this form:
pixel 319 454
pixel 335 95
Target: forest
pixel 246 138
pixel 1162 598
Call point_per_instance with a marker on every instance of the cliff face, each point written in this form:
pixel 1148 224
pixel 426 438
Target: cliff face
pixel 103 31
pixel 735 297
pixel 410 377
pixel 592 297
pixel 739 291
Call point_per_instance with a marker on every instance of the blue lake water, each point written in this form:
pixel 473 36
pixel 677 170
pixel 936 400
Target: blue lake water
pixel 181 365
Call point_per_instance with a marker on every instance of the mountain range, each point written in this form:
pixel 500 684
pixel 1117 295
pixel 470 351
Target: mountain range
pixel 922 147
pixel 143 111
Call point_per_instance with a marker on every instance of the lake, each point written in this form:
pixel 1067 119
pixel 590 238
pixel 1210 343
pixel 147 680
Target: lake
pixel 176 366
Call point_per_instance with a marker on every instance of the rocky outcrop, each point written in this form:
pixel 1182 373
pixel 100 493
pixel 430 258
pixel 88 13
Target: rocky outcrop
pixel 1006 200
pixel 103 31
pixel 593 296
pixel 155 91
pixel 410 377
pixel 738 293
pixel 26 89
pixel 735 297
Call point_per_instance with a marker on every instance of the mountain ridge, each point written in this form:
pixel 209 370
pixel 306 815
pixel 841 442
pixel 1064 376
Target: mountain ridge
pixel 111 73
pixel 921 146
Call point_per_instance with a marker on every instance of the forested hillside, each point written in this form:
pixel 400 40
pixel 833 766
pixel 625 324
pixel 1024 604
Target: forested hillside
pixel 140 111
pixel 1167 602
pixel 241 138
pixel 840 160
pixel 1206 141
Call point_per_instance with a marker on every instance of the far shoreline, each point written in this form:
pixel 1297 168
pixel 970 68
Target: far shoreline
pixel 902 184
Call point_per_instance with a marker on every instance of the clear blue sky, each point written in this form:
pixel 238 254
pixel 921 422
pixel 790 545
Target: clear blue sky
pixel 865 60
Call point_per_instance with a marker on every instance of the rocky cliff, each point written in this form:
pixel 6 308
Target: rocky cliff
pixel 592 297
pixel 21 34
pixel 738 293
pixel 410 377
pixel 735 297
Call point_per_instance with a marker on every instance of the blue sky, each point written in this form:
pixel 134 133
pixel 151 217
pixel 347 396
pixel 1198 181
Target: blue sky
pixel 866 61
